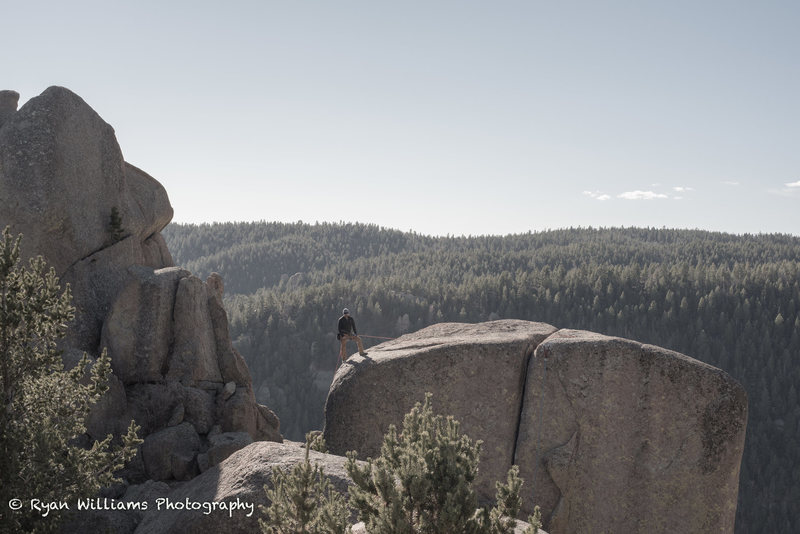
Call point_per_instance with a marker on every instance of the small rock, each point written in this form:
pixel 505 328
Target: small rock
pixel 228 390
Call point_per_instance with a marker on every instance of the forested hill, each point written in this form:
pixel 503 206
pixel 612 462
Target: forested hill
pixel 731 301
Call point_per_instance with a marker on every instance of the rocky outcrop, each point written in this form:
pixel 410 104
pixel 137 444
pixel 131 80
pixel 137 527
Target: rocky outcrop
pixel 630 436
pixel 97 219
pixel 239 479
pixel 475 372
pixel 62 175
pixel 609 434
pixel 171 453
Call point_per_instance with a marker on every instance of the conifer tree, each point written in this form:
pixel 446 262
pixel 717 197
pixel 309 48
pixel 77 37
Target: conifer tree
pixel 423 482
pixel 115 225
pixel 44 407
pixel 303 500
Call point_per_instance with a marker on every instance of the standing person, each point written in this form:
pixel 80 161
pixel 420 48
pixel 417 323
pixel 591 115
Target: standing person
pixel 347 332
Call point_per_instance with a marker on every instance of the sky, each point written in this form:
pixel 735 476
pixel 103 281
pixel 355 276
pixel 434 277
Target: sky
pixel 441 117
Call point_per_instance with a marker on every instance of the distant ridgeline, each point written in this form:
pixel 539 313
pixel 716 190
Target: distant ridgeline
pixel 730 301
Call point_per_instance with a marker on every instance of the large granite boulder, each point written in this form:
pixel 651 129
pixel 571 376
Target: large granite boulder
pixel 476 373
pixel 97 219
pixel 61 175
pixel 632 437
pixel 171 453
pixel 139 329
pixel 194 348
pixel 609 434
pixel 239 479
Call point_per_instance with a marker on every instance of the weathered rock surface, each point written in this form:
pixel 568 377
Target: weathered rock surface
pixel 476 373
pixel 614 435
pixel 632 437
pixel 139 329
pixel 225 444
pixel 171 453
pixel 241 477
pixel 8 105
pixel 122 516
pixel 194 350
pixel 62 175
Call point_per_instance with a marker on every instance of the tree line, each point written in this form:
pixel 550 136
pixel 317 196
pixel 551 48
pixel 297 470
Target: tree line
pixel 728 300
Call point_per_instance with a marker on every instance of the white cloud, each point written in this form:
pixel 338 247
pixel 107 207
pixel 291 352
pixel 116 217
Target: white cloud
pixel 680 189
pixel 641 195
pixel 789 190
pixel 732 184
pixel 597 195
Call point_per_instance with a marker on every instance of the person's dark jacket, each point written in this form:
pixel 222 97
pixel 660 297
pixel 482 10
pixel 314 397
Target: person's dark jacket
pixel 347 325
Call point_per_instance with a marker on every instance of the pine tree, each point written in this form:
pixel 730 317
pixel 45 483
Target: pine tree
pixel 44 407
pixel 303 500
pixel 423 482
pixel 115 225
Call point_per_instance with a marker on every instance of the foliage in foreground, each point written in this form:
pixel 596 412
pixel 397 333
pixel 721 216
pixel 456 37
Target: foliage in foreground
pixel 303 500
pixel 423 482
pixel 44 407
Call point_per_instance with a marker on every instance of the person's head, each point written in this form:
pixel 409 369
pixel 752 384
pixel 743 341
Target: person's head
pixel 345 312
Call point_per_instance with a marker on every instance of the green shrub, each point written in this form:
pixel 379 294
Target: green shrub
pixel 44 407
pixel 303 501
pixel 423 482
pixel 115 225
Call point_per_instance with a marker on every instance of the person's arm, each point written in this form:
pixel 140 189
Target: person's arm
pixel 353 322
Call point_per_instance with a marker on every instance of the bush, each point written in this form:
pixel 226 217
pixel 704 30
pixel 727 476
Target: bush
pixel 422 482
pixel 44 407
pixel 303 500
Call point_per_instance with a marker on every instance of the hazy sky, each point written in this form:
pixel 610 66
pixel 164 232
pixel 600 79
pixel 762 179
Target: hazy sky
pixel 458 117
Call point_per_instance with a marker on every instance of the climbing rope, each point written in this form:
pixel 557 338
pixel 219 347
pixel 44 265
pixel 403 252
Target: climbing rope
pixel 376 337
pixel 539 432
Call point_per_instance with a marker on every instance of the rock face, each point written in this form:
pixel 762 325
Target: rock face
pixel 613 435
pixel 632 436
pixel 63 172
pixel 62 176
pixel 241 477
pixel 8 105
pixel 475 372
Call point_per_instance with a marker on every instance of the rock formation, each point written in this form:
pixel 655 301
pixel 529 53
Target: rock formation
pixel 613 435
pixel 96 219
pixel 241 477
pixel 475 372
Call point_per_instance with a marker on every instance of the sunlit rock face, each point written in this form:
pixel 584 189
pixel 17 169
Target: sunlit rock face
pixel 96 219
pixel 609 434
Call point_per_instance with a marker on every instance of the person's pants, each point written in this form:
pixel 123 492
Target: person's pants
pixel 345 339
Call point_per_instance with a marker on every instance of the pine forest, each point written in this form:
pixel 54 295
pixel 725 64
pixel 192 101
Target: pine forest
pixel 732 301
